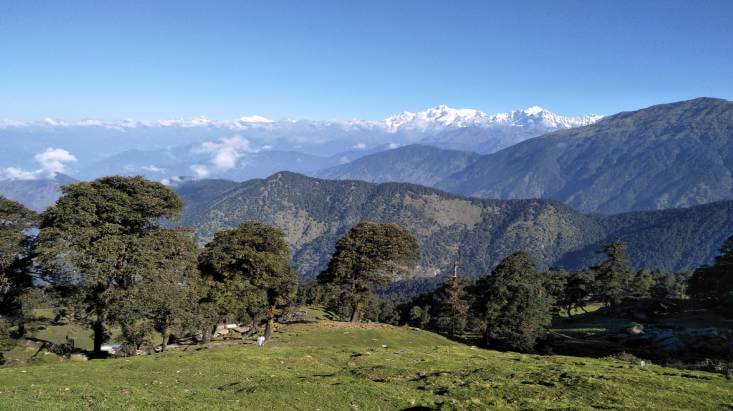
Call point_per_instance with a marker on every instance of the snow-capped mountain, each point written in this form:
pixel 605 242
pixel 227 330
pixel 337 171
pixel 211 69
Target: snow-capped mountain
pixel 443 117
pixel 432 119
pixel 252 144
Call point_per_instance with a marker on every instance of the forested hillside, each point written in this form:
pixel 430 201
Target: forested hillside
pixel 314 212
pixel 664 156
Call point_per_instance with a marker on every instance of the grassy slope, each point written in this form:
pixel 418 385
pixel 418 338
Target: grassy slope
pixel 328 365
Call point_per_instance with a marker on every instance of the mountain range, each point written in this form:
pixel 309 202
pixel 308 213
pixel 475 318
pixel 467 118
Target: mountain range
pixel 313 213
pixel 253 146
pixel 665 156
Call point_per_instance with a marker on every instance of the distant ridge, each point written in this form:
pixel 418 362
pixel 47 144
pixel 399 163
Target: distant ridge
pixel 417 164
pixel 664 156
pixel 314 213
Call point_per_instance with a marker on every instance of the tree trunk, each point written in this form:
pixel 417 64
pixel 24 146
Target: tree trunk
pixel 21 328
pixel 487 338
pixel 166 336
pixel 206 335
pixel 356 314
pixel 98 329
pixel 270 322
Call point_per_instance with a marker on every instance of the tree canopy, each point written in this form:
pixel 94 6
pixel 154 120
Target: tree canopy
pixel 248 270
pixel 101 235
pixel 513 303
pixel 369 254
pixel 15 221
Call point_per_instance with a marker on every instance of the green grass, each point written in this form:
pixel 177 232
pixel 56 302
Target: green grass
pixel 332 366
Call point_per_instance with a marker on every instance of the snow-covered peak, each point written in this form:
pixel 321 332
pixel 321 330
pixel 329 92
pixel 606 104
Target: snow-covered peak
pixel 431 120
pixel 443 117
pixel 437 117
pixel 534 110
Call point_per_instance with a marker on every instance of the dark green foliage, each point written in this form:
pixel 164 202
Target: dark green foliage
pixel 556 284
pixel 713 284
pixel 15 245
pixel 100 236
pixel 248 271
pixel 578 290
pixel 314 213
pixel 642 283
pixel 420 316
pixel 614 277
pixel 370 254
pixel 451 309
pixel 388 312
pixel 669 285
pixel 165 295
pixel 621 163
pixel 513 304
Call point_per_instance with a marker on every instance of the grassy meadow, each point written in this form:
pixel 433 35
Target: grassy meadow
pixel 327 365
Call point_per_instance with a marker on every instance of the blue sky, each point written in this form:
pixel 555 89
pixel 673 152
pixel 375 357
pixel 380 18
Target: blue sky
pixel 347 59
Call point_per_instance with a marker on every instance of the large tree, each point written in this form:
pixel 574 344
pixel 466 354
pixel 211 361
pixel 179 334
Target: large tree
pixel 168 289
pixel 614 276
pixel 369 254
pixel 15 221
pixel 96 240
pixel 248 270
pixel 578 291
pixel 513 303
pixel 451 307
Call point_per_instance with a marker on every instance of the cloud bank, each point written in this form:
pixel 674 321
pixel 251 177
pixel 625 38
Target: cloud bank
pixel 225 154
pixel 52 161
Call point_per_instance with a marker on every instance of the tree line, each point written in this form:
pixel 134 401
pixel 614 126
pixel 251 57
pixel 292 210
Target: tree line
pixel 111 256
pixel 109 253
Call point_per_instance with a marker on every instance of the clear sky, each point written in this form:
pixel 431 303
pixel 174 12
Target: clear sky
pixel 350 59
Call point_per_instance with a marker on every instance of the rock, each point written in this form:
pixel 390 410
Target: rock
pixel 293 317
pixel 78 357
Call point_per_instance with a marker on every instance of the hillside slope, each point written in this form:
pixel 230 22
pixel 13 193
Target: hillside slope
pixel 665 156
pixel 417 164
pixel 35 194
pixel 333 366
pixel 313 213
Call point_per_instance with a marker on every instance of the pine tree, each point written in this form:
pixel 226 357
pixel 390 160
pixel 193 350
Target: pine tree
pixel 452 308
pixel 615 275
pixel 513 303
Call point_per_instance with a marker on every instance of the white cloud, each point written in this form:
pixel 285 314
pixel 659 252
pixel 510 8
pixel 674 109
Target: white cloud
pixel 200 170
pixel 225 152
pixel 359 146
pixel 53 161
pixel 393 145
pixel 14 173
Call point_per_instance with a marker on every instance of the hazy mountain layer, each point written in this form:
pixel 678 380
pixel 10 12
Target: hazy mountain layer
pixel 417 164
pixel 34 194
